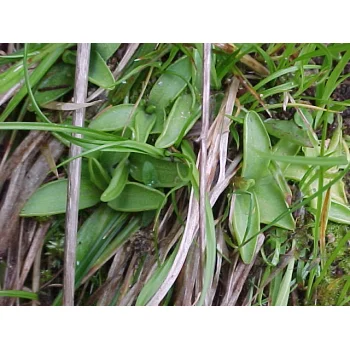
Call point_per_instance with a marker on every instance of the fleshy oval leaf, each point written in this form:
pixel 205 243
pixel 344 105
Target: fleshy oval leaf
pixel 244 222
pixel 118 181
pixel 51 198
pixel 272 202
pixel 136 197
pixel 179 119
pixel 115 118
pixel 255 141
pixel 157 172
pixel 99 73
pixel 171 83
pixel 287 129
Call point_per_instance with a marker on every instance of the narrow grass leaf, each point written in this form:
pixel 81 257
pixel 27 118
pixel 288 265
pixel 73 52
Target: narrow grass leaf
pixel 35 77
pixel 19 294
pixel 284 289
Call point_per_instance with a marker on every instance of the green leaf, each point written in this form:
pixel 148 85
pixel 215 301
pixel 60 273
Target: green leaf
pixel 272 202
pixel 287 129
pixel 171 83
pixel 158 172
pixel 51 198
pixel 106 50
pixel 136 197
pixel 299 120
pixel 110 159
pixel 143 125
pixel 115 118
pixel 244 222
pixel 118 181
pixel 339 213
pixel 182 116
pixel 255 140
pixel 168 87
pixel 285 148
pixel 98 175
pixel 99 73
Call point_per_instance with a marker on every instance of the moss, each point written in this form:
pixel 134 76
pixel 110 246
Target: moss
pixel 330 289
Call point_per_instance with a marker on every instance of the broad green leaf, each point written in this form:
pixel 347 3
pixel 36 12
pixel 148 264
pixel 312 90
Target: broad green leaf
pixel 171 83
pixel 110 159
pixel 295 171
pixel 115 118
pixel 118 181
pixel 51 198
pixel 272 202
pixel 197 71
pixel 285 148
pixel 181 116
pixel 143 125
pixel 299 120
pixel 168 87
pixel 244 222
pixel 106 50
pixel 137 197
pixel 339 213
pixel 255 140
pixel 158 172
pixel 99 73
pixel 56 83
pixel 287 129
pixel 338 193
pixel 98 175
